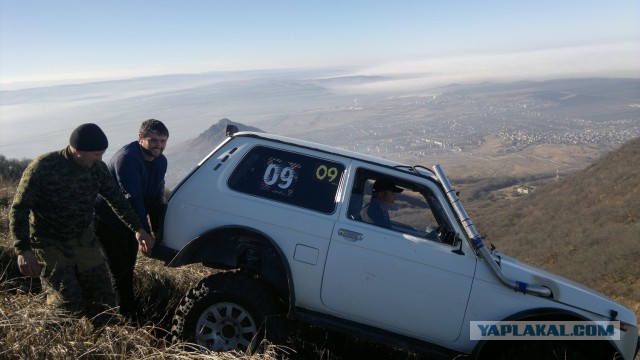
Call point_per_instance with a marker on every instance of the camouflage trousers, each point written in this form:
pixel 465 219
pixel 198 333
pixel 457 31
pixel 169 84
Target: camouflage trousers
pixel 74 274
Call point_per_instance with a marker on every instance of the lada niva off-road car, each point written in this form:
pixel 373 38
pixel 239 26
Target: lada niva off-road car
pixel 284 219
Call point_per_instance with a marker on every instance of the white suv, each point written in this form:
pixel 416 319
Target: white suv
pixel 284 217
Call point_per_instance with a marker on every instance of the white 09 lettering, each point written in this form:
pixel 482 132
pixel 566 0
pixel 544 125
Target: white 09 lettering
pixel 271 174
pixel 286 176
pixel 275 173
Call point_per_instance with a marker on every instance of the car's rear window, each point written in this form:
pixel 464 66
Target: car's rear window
pixel 289 177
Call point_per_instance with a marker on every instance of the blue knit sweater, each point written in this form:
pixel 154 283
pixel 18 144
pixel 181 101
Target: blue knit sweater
pixel 142 183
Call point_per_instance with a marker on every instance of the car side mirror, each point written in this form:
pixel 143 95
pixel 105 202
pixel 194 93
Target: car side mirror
pixel 457 241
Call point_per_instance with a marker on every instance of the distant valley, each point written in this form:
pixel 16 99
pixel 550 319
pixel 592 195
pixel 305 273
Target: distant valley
pixel 495 130
pixel 483 130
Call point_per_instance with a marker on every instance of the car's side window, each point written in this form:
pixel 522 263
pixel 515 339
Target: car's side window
pixel 399 205
pixel 288 177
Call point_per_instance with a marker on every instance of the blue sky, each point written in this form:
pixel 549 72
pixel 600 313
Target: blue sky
pixel 46 40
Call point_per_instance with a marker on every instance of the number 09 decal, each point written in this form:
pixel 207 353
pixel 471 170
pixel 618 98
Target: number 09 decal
pixel 322 172
pixel 275 173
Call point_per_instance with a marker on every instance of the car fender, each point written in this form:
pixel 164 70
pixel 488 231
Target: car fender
pixel 239 247
pixel 541 314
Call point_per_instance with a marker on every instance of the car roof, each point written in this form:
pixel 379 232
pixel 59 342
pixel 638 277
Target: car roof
pixel 326 149
pixel 319 147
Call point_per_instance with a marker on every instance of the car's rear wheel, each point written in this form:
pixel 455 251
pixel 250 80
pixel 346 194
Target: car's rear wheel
pixel 227 311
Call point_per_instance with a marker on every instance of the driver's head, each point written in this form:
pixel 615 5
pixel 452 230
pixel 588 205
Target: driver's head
pixel 384 189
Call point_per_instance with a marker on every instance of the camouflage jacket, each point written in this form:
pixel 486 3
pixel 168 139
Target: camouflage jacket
pixel 55 199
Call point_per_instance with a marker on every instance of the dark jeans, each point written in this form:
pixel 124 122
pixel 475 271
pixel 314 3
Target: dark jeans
pixel 120 252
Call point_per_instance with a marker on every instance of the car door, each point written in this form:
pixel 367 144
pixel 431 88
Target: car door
pixel 406 278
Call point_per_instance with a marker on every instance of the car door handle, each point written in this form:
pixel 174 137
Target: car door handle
pixel 350 235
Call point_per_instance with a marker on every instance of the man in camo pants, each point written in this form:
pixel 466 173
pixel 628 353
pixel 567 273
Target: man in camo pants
pixel 51 222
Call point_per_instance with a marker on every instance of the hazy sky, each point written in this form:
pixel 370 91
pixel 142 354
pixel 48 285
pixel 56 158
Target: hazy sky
pixel 87 39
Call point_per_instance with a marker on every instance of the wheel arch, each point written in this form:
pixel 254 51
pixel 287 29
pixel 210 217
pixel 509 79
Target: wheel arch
pixel 541 314
pixel 244 248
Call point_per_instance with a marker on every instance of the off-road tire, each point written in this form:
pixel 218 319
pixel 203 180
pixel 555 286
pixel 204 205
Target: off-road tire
pixel 228 311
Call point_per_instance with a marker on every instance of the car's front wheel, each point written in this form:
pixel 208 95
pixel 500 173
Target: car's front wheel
pixel 227 311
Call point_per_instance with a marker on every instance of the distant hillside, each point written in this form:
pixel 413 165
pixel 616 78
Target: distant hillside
pixel 584 226
pixel 183 157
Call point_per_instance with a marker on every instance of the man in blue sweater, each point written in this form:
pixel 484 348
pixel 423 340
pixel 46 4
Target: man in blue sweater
pixel 139 168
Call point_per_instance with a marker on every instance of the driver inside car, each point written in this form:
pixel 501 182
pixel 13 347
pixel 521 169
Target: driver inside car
pixel 383 195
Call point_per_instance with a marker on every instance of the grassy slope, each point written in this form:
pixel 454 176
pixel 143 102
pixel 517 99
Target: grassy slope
pixel 584 226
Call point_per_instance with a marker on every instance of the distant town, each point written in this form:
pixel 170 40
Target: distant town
pixel 442 123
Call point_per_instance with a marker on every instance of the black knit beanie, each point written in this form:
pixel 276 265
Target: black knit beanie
pixel 88 137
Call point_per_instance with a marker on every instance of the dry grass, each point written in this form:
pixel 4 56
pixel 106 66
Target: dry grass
pixel 31 330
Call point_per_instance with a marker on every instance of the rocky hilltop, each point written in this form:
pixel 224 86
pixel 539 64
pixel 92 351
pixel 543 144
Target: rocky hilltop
pixel 183 157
